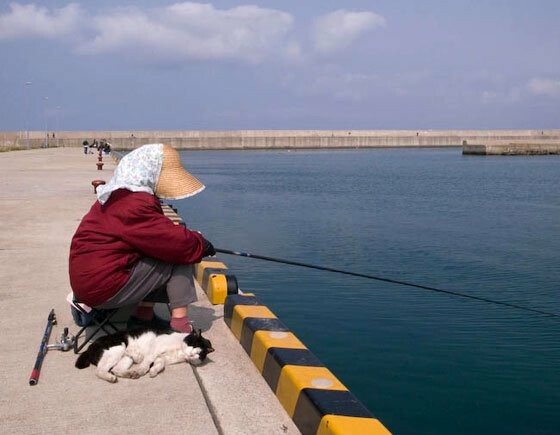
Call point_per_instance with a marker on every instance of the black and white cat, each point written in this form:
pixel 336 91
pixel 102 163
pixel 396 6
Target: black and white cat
pixel 131 354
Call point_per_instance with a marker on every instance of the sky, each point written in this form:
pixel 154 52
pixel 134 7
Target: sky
pixel 291 64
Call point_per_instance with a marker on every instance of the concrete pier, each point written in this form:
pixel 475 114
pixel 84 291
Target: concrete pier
pixel 513 149
pixel 278 139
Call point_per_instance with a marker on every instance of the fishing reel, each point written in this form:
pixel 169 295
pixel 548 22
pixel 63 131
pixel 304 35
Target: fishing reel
pixel 67 342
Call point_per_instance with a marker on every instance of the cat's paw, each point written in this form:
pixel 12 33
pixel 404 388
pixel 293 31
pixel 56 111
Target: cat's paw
pixel 106 376
pixel 188 352
pixel 137 357
pixel 195 352
pixel 121 368
pixel 137 372
pixel 155 371
pixel 157 367
pixel 192 355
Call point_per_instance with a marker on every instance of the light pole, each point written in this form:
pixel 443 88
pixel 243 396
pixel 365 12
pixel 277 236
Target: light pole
pixel 26 110
pixel 46 99
pixel 57 127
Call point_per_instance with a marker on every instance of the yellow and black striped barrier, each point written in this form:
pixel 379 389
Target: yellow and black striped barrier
pixel 214 280
pixel 171 214
pixel 314 398
pixel 115 156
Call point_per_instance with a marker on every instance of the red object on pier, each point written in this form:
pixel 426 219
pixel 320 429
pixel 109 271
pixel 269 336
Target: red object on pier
pixel 96 183
pixel 99 166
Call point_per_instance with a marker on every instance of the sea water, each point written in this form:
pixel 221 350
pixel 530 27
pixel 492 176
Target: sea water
pixel 421 361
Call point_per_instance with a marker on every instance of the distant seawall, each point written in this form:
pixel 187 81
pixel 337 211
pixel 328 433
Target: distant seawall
pixel 279 139
pixel 518 148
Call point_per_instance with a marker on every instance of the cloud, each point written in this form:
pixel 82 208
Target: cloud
pixel 185 31
pixel 176 33
pixel 338 29
pixel 195 31
pixel 31 21
pixel 547 87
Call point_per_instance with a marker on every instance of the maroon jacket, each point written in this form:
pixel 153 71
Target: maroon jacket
pixel 112 237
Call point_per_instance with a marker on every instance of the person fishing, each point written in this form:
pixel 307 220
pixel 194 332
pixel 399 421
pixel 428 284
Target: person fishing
pixel 125 249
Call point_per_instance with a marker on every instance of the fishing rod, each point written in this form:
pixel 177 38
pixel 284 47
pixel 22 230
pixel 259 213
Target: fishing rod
pixel 34 378
pixel 389 280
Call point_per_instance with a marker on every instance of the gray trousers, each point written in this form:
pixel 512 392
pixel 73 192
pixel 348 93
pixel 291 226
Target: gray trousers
pixel 150 275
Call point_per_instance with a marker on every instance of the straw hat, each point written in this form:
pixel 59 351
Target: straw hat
pixel 174 181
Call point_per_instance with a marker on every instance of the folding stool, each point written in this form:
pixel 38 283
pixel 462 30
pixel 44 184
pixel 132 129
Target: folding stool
pixel 99 320
pixel 96 319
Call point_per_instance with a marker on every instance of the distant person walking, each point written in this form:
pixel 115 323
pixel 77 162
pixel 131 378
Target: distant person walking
pixel 86 146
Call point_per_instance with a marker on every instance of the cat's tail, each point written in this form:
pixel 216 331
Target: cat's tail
pixel 83 360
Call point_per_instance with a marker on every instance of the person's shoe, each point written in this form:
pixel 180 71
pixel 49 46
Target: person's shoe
pixel 185 330
pixel 156 322
pixel 181 324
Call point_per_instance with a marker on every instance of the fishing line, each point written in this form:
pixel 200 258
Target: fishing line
pixel 389 280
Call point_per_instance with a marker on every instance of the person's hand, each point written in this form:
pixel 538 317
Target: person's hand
pixel 208 250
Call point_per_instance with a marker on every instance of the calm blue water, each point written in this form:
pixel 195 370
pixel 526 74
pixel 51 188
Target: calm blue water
pixel 422 362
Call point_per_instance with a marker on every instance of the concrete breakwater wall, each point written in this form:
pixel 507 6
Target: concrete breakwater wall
pixel 514 149
pixel 277 139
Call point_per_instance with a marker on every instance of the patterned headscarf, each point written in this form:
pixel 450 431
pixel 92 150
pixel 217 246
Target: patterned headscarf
pixel 138 171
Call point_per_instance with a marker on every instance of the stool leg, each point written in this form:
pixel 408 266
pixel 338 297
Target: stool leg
pixel 102 325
